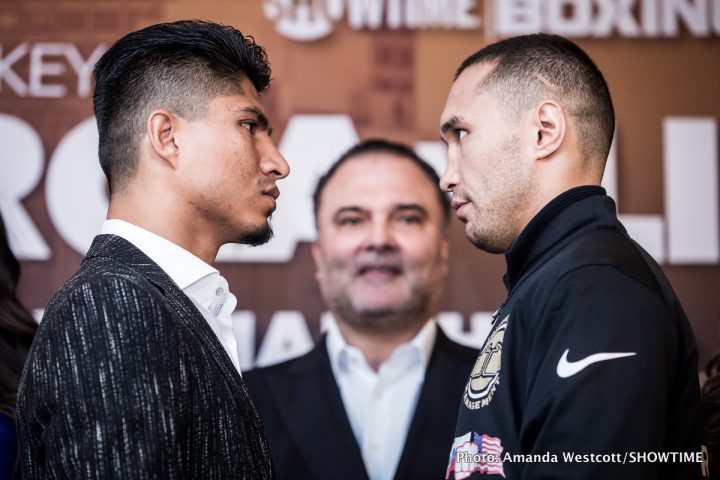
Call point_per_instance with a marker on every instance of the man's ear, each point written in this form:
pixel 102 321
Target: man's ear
pixel 161 129
pixel 550 127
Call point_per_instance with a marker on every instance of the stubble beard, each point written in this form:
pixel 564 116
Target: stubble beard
pixel 494 233
pixel 259 236
pixel 497 225
pixel 387 320
pixel 487 241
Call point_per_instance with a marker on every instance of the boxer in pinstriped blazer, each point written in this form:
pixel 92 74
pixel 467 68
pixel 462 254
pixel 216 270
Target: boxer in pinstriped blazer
pixel 133 373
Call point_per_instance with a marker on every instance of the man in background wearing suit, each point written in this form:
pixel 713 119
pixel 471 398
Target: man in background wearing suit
pixel 134 370
pixel 374 399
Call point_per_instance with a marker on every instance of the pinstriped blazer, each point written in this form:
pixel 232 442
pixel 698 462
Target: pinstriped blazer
pixel 125 379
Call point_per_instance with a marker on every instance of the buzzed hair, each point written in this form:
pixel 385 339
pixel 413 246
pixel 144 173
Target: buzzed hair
pixel 531 68
pixel 379 145
pixel 179 67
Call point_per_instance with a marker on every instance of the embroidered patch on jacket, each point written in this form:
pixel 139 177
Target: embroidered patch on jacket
pixel 475 453
pixel 485 376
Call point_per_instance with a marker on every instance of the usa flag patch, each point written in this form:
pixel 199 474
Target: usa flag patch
pixel 475 453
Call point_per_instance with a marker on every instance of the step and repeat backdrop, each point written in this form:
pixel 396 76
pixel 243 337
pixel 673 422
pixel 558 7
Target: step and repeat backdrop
pixel 346 70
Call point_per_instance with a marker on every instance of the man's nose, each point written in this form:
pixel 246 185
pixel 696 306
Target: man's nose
pixel 449 180
pixel 272 161
pixel 381 237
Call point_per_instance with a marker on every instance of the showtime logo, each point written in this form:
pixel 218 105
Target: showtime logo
pixel 309 20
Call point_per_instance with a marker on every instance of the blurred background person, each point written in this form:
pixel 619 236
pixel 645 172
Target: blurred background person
pixel 17 328
pixel 377 398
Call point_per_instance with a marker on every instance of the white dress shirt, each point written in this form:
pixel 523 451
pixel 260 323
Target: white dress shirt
pixel 380 405
pixel 202 283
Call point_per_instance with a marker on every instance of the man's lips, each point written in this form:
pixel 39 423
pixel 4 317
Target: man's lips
pixel 458 206
pixel 273 192
pixel 379 268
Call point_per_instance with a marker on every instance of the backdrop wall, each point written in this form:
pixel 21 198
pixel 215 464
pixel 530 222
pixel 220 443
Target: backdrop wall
pixel 351 69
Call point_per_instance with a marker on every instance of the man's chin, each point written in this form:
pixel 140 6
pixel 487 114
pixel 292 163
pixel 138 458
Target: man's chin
pixel 259 236
pixel 385 318
pixel 380 307
pixel 484 242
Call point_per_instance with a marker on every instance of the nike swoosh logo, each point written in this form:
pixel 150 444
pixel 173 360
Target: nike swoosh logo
pixel 567 369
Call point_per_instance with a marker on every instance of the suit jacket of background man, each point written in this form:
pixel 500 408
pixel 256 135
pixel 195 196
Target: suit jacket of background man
pixel 309 432
pixel 125 379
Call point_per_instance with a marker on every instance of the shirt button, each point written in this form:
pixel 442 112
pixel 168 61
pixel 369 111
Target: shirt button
pixel 219 291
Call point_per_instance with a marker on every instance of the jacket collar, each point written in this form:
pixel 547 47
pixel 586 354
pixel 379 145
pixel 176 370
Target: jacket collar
pixel 181 265
pixel 566 216
pixel 118 249
pixel 305 391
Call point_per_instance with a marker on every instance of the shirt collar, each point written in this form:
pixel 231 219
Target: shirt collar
pixel 181 266
pixel 338 349
pixel 212 294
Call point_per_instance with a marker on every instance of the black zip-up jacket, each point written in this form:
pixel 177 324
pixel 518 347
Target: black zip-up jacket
pixel 590 356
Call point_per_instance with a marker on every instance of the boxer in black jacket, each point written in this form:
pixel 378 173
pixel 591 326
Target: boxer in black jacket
pixel 591 361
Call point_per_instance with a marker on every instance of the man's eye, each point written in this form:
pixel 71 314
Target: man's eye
pixel 350 221
pixel 251 126
pixel 460 133
pixel 410 219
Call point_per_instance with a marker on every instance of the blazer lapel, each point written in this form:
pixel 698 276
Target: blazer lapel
pixel 119 249
pixel 312 409
pixel 436 412
pixel 257 453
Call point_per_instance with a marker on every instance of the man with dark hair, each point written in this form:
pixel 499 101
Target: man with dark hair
pixel 134 371
pixel 377 397
pixel 590 355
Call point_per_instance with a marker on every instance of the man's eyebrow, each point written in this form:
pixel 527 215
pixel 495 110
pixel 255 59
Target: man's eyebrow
pixel 260 118
pixel 412 206
pixel 450 124
pixel 351 209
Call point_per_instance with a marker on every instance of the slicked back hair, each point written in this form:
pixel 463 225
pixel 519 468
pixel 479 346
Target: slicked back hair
pixel 532 68
pixel 179 67
pixel 377 145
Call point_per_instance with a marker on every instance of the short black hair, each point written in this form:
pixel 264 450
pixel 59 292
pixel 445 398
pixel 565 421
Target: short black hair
pixel 378 145
pixel 529 67
pixel 178 66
